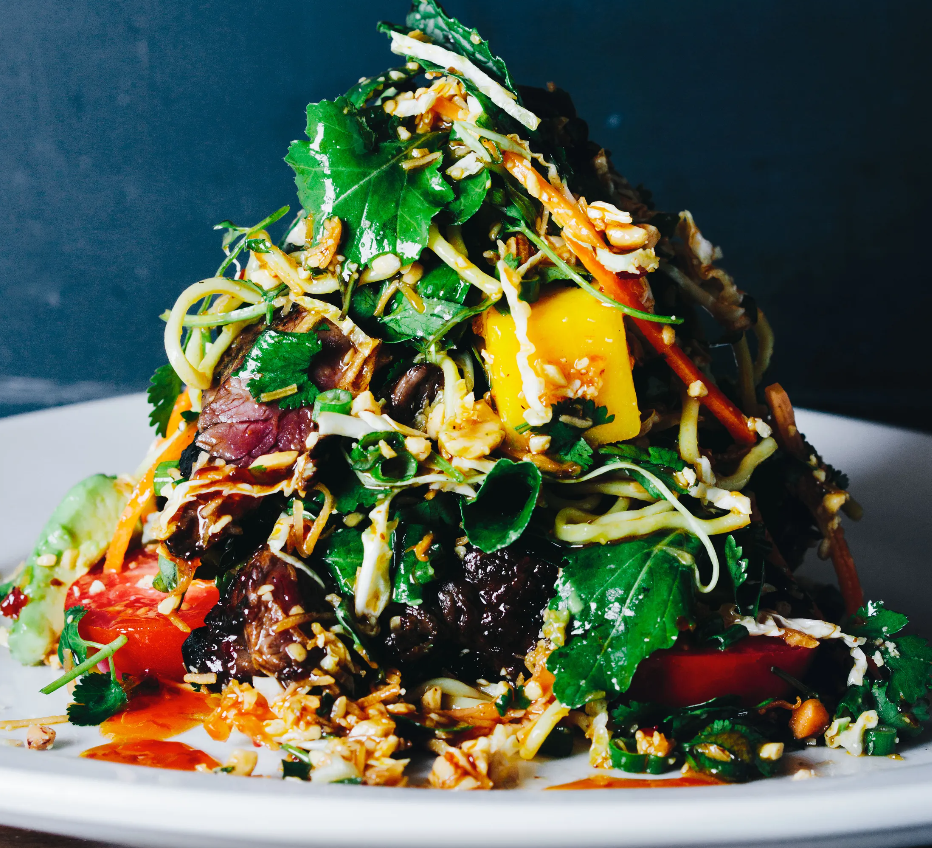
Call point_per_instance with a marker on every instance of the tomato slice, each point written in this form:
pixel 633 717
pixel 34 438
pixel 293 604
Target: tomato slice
pixel 685 675
pixel 117 604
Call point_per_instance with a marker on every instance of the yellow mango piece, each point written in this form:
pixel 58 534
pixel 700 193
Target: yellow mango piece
pixel 585 340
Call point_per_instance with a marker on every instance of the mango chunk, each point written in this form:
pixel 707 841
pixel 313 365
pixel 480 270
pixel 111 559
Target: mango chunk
pixel 579 342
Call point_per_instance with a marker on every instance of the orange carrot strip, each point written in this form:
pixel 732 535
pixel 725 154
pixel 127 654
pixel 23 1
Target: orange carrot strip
pixel 583 239
pixel 449 110
pixel 810 492
pixel 182 404
pixel 171 449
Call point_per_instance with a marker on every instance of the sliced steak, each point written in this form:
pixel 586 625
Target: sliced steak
pixel 239 637
pixel 482 622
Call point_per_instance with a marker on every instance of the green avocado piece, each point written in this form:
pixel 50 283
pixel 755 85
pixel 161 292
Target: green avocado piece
pixel 84 522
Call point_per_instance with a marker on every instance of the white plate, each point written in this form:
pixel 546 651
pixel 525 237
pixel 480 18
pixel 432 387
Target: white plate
pixel 866 801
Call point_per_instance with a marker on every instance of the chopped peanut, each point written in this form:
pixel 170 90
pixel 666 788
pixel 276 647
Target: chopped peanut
pixel 39 737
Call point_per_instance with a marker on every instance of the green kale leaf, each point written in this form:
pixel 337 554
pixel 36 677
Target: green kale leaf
pixel 96 698
pixel 164 387
pixel 626 600
pixel 502 509
pixel 470 195
pixel 278 360
pixel 342 171
pixel 428 17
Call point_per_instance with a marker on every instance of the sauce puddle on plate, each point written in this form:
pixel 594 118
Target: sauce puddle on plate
pixel 603 781
pixel 156 753
pixel 160 715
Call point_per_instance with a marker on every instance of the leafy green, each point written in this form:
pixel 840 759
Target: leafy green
pixel 411 574
pixel 747 571
pixel 441 511
pixel 342 551
pixel 96 698
pixel 901 692
pixel 566 441
pixel 877 622
pixel 405 322
pixel 626 600
pixel 470 195
pixel 164 387
pixel 501 510
pixel 383 455
pixel 278 360
pixel 365 89
pixel 661 462
pixel 343 172
pixel 728 750
pixel 167 579
pixel 443 283
pixel 70 639
pixel 428 17
pixel 513 698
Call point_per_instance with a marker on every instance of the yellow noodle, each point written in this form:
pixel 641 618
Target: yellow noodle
pixel 754 457
pixel 581 534
pixel 689 432
pixel 459 263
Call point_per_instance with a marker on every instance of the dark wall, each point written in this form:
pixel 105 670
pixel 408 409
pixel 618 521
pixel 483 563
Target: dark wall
pixel 796 132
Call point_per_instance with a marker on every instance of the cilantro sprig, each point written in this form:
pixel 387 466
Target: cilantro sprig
pixel 279 360
pixel 572 418
pixel 164 387
pixel 96 696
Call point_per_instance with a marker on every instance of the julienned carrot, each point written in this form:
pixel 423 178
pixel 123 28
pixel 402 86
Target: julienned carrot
pixel 811 493
pixel 123 534
pixel 583 239
pixel 182 404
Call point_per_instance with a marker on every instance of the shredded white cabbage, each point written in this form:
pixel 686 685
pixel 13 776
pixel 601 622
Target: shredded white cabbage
pixel 373 580
pixel 403 45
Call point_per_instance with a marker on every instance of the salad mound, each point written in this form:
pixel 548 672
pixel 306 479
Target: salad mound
pixel 475 456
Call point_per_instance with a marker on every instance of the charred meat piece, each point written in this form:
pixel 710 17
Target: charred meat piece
pixel 407 396
pixel 240 637
pixel 236 427
pixel 481 622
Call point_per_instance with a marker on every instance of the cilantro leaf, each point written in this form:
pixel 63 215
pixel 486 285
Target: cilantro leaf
pixel 910 667
pixel 428 17
pixel 341 171
pixel 746 563
pixel 502 509
pixel 164 387
pixel 278 360
pixel 70 639
pixel 626 600
pixel 876 621
pixel 570 419
pixel 661 462
pixel 96 698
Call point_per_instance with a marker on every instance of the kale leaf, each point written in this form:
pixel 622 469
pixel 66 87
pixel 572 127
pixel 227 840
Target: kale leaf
pixel 365 89
pixel 278 360
pixel 470 195
pixel 96 698
pixel 502 509
pixel 164 387
pixel 626 600
pixel 343 172
pixel 428 17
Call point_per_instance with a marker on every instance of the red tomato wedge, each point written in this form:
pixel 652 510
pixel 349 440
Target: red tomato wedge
pixel 123 606
pixel 682 676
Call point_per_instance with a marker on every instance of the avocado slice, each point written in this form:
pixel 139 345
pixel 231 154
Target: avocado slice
pixel 83 522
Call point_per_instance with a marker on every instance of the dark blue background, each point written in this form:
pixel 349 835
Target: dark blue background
pixel 796 132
